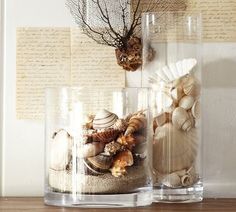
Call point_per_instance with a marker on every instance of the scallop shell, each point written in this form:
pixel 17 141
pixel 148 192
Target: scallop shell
pixel 120 125
pixel 172 180
pixel 186 102
pixel 181 119
pixel 60 150
pixel 191 87
pixel 90 149
pixel 173 149
pixel 99 164
pixel 121 161
pixel 105 136
pixel 104 119
pixel 176 70
pixel 136 123
pixel 112 148
pixel 196 109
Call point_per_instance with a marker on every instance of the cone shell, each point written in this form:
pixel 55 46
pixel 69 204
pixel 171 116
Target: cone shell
pixel 196 109
pixel 60 150
pixel 191 86
pixel 99 164
pixel 172 180
pixel 173 149
pixel 90 149
pixel 181 119
pixel 176 70
pixel 105 136
pixel 135 124
pixel 186 102
pixel 104 119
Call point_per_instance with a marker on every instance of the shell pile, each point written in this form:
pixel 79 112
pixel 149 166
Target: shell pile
pixel 176 126
pixel 108 144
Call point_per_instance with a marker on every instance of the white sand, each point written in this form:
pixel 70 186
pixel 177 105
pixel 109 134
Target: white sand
pixel 62 181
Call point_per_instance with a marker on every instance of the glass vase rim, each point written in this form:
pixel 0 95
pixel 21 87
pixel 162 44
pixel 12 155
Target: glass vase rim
pixel 191 13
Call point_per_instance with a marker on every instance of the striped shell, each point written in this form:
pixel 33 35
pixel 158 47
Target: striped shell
pixel 136 123
pixel 174 149
pixel 105 136
pixel 104 119
pixel 99 164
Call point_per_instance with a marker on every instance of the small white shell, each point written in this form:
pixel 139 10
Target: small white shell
pixel 90 149
pixel 196 109
pixel 181 119
pixel 175 71
pixel 191 86
pixel 186 102
pixel 187 180
pixel 104 119
pixel 60 150
pixel 172 180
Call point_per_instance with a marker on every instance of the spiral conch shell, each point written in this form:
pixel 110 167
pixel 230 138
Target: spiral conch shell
pixel 136 123
pixel 174 149
pixel 104 119
pixel 181 119
pixel 60 150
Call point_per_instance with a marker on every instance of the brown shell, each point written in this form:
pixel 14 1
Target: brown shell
pixel 105 136
pixel 112 148
pixel 127 141
pixel 136 123
pixel 121 161
pixel 99 164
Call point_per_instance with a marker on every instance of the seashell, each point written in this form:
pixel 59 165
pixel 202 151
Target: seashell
pixel 186 102
pixel 112 148
pixel 99 164
pixel 89 121
pixel 136 123
pixel 90 149
pixel 173 149
pixel 60 147
pixel 176 70
pixel 181 173
pixel 172 180
pixel 105 136
pixel 120 162
pixel 161 119
pixel 191 118
pixel 127 141
pixel 187 180
pixel 191 87
pixel 177 93
pixel 196 109
pixel 104 119
pixel 120 125
pixel 181 119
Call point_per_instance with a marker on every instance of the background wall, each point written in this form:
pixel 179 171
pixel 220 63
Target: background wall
pixel 23 141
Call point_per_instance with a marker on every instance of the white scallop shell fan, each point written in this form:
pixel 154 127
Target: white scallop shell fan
pixel 174 71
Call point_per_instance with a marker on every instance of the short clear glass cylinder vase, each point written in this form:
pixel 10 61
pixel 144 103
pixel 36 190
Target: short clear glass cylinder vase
pixel 98 149
pixel 175 76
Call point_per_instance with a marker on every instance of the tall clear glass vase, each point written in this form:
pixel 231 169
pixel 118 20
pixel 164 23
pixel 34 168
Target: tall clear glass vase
pixel 175 76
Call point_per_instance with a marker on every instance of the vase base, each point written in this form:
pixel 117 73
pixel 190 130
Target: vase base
pixel 178 195
pixel 98 201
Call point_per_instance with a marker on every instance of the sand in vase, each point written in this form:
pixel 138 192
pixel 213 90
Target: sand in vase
pixel 62 181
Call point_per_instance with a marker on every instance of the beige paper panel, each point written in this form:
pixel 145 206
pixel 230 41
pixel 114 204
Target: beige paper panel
pixel 43 60
pixel 53 57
